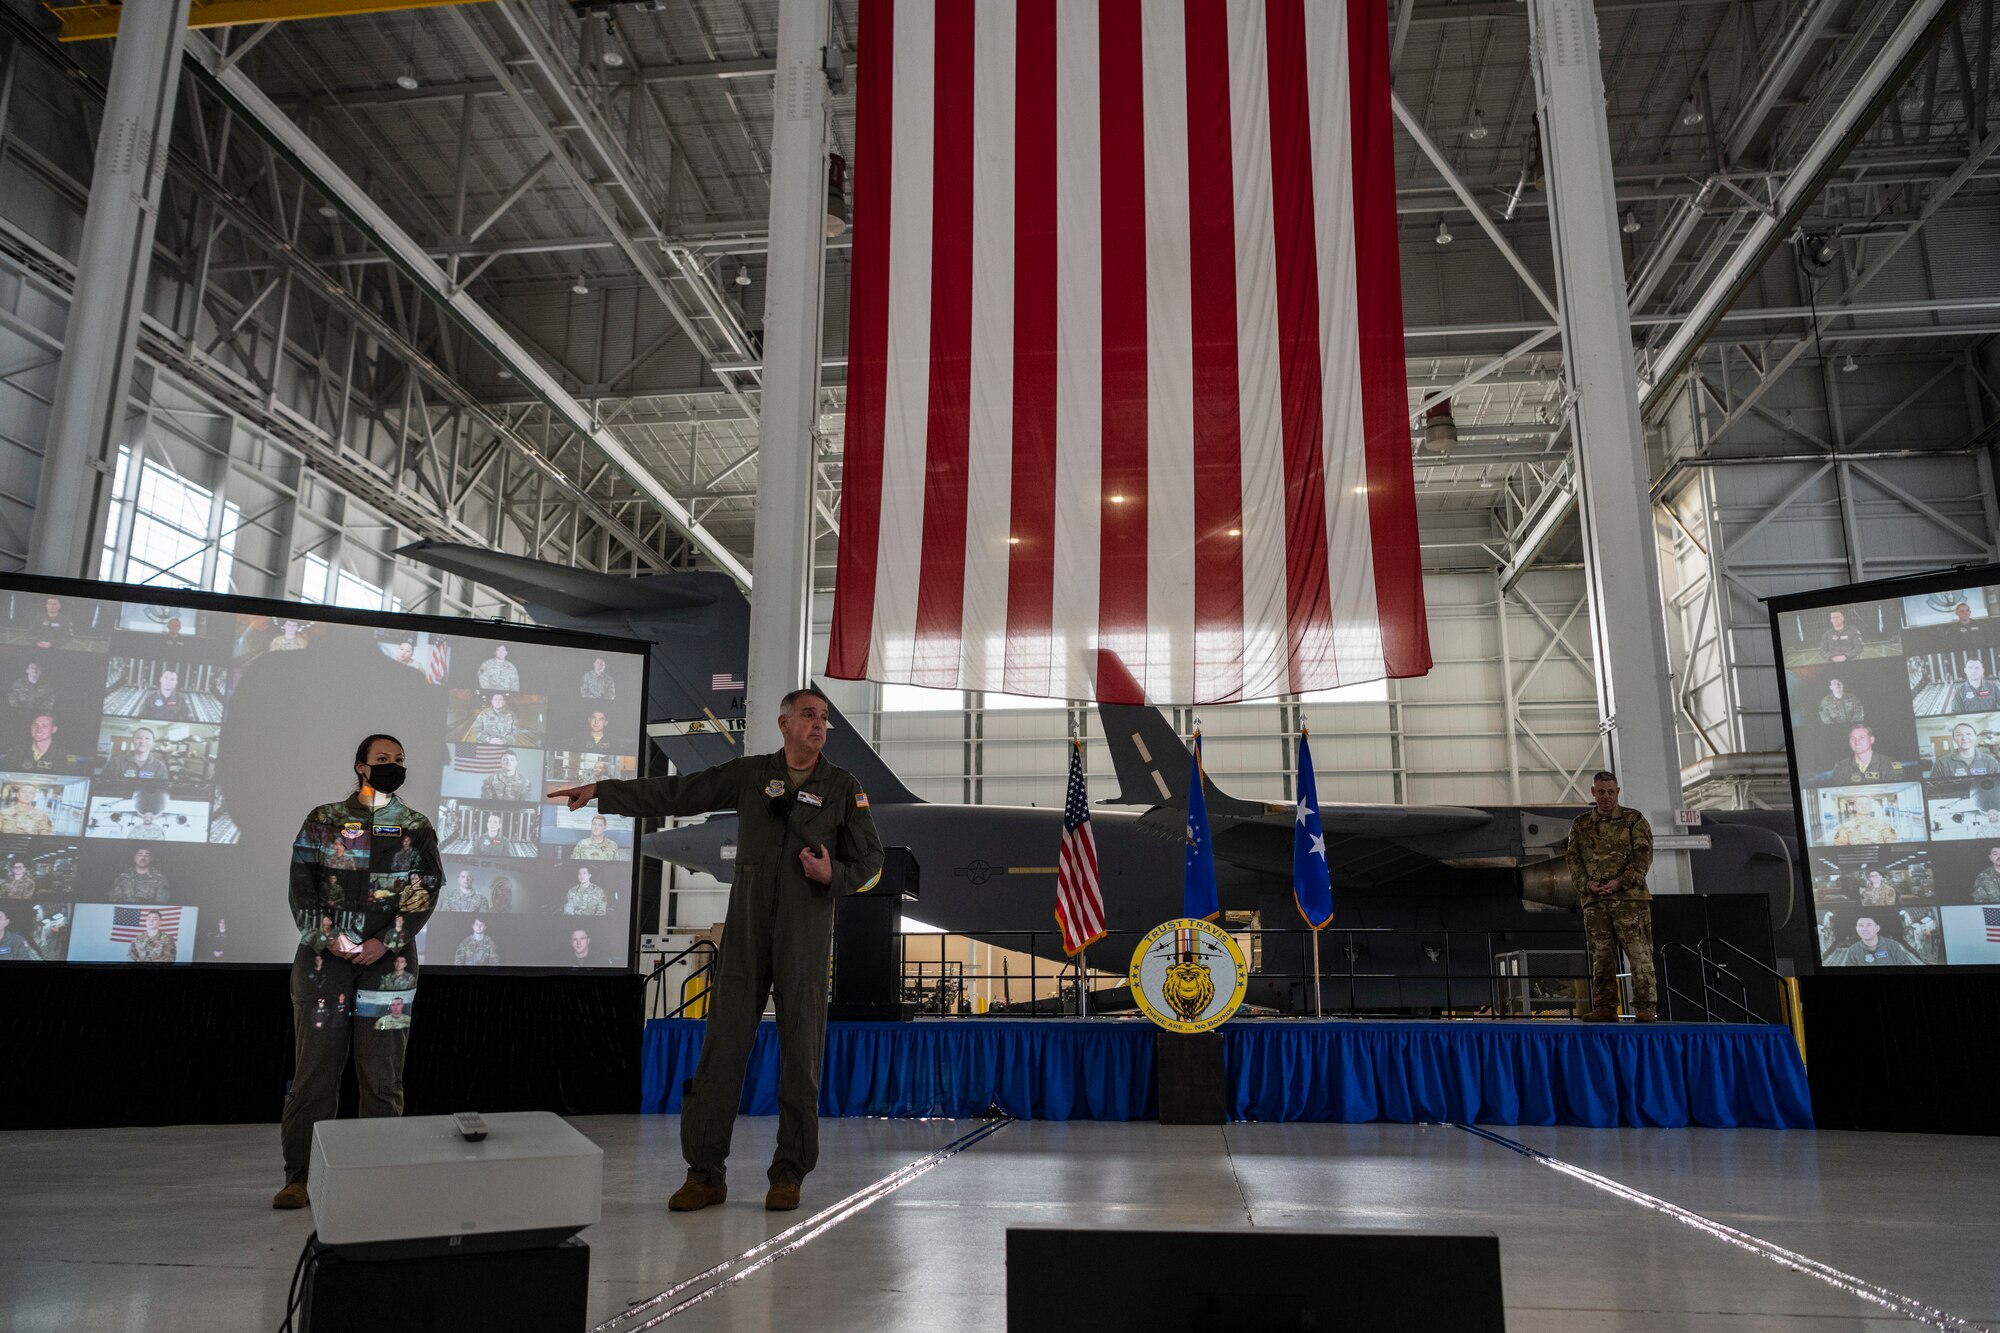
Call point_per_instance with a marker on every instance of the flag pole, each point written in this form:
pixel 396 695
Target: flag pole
pixel 1082 983
pixel 1319 984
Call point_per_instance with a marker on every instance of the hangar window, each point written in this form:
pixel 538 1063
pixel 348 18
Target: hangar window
pixel 1361 692
pixel 157 530
pixel 320 582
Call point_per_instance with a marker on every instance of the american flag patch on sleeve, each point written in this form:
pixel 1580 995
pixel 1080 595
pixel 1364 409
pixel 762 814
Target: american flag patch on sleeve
pixel 861 800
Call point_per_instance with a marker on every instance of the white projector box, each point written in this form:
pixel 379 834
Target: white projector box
pixel 390 1188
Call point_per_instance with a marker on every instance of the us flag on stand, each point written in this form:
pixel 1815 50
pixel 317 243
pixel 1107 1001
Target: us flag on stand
pixel 439 664
pixel 128 923
pixel 1079 900
pixel 1126 366
pixel 468 757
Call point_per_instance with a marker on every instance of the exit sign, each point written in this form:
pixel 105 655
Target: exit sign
pixel 1688 818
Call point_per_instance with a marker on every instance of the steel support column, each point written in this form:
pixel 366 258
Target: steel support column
pixel 787 428
pixel 95 378
pixel 1621 560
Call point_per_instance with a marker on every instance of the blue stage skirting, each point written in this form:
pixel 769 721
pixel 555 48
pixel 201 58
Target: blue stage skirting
pixel 1672 1075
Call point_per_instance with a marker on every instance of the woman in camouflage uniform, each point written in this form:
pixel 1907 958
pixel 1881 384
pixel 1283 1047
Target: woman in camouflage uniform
pixel 357 916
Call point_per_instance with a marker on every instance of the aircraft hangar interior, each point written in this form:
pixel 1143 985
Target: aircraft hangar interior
pixel 1386 608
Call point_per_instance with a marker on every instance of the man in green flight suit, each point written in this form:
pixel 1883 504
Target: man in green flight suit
pixel 1610 850
pixel 806 834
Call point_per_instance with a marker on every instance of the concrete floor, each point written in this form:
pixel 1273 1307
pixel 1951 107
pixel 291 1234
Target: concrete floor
pixel 170 1229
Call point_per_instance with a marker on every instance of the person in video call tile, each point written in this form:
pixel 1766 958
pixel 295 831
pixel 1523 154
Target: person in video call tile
pixel 397 1017
pixel 290 637
pixel 1921 932
pixel 14 948
pixel 155 945
pixel 404 857
pixel 494 840
pixel 142 883
pixel 397 936
pixel 1974 694
pixel 1873 947
pixel 1839 642
pixel 461 896
pixel 597 682
pixel 1839 706
pixel 41 754
pixel 166 702
pixel 596 847
pixel 21 814
pixel 51 933
pixel 1863 764
pixel 1859 826
pixel 141 761
pixel 1967 758
pixel 594 768
pixel 398 978
pixel 579 948
pixel 29 690
pixel 216 947
pixel 476 949
pixel 585 898
pixel 1962 622
pixel 596 736
pixel 501 892
pixel 1986 884
pixel 1877 891
pixel 406 654
pixel 150 824
pixel 20 881
pixel 52 630
pixel 495 724
pixel 497 673
pixel 509 784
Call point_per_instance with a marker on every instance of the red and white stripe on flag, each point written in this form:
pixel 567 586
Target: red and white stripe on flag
pixel 1079 896
pixel 1125 363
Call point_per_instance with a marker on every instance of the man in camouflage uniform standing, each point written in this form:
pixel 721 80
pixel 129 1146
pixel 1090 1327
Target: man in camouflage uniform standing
pixel 1610 850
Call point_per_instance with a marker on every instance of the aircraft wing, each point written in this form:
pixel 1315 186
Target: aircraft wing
pixel 572 592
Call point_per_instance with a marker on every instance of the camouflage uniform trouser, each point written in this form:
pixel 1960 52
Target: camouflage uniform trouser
pixel 1608 926
pixel 321 1039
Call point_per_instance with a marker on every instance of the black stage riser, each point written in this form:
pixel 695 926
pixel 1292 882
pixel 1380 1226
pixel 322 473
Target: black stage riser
pixel 1902 1052
pixel 214 1046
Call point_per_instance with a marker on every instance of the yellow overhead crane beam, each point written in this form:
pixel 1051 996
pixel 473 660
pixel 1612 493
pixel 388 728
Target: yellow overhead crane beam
pixel 83 23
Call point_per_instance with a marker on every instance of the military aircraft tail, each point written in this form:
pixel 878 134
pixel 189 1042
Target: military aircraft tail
pixel 1152 763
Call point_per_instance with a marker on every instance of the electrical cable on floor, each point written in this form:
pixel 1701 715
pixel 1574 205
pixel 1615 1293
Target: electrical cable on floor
pixel 309 1255
pixel 1907 1306
pixel 774 1248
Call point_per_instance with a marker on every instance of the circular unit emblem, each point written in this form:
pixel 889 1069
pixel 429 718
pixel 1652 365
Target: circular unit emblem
pixel 1188 975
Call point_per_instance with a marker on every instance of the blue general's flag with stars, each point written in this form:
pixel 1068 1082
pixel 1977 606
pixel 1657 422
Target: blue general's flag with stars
pixel 1198 897
pixel 1312 881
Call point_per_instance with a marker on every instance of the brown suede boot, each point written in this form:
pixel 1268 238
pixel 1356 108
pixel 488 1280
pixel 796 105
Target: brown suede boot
pixel 291 1196
pixel 782 1197
pixel 1646 1014
pixel 697 1193
pixel 1600 1016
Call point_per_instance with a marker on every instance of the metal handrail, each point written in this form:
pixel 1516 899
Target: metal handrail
pixel 1758 963
pixel 1665 952
pixel 656 987
pixel 1703 966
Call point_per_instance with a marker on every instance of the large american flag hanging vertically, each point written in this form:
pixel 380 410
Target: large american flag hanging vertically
pixel 1079 897
pixel 1125 364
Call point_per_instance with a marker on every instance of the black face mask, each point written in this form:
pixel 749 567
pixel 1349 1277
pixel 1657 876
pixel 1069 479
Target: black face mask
pixel 386 777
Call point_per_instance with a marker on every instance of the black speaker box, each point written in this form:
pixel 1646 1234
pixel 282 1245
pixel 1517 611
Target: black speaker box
pixel 1199 1280
pixel 1191 1078
pixel 544 1290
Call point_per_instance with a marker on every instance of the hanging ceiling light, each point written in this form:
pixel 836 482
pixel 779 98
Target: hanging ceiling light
pixel 1848 364
pixel 327 211
pixel 1691 113
pixel 407 80
pixel 742 275
pixel 1911 102
pixel 1444 232
pixel 1630 224
pixel 612 56
pixel 580 287
pixel 1478 128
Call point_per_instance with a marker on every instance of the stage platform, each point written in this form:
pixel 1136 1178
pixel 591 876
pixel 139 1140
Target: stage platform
pixel 1473 1071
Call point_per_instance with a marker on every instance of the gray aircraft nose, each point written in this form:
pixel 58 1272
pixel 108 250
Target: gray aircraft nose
pixel 709 846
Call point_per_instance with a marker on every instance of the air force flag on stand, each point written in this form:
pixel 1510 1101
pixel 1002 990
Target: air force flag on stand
pixel 1312 883
pixel 1198 898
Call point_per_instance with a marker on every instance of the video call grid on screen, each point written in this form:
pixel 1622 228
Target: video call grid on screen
pixel 1891 702
pixel 158 756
